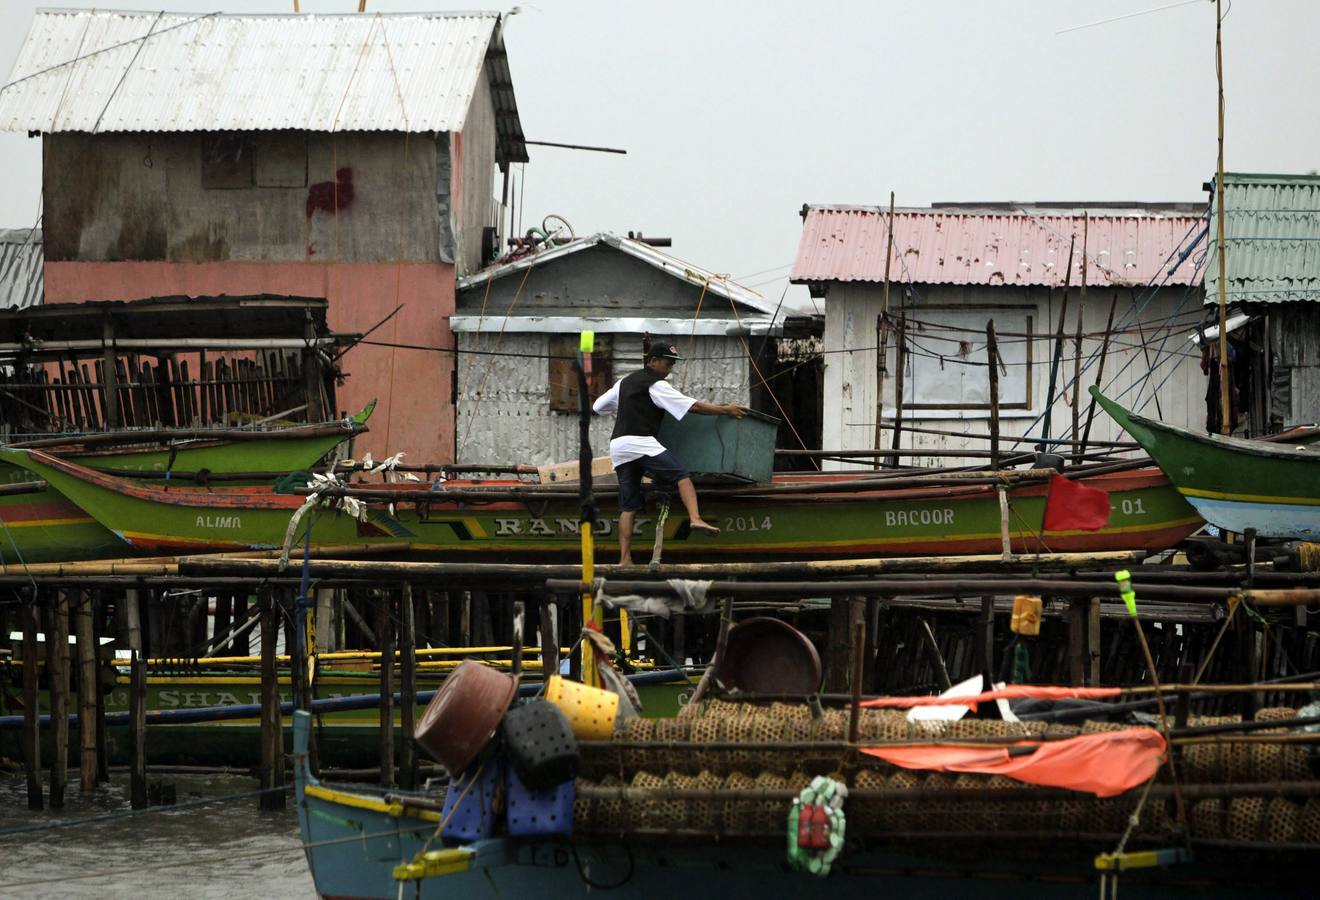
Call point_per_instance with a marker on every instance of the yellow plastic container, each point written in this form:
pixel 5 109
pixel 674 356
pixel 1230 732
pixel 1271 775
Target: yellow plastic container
pixel 590 711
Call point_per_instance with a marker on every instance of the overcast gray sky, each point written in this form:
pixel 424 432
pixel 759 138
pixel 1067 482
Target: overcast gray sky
pixel 734 114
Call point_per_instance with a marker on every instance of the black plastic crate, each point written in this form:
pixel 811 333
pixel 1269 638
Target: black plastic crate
pixel 541 745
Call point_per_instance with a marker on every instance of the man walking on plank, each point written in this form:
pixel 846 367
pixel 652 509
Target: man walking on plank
pixel 640 401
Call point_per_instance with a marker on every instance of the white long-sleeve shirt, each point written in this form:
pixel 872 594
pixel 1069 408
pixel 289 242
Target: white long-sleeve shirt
pixel 627 447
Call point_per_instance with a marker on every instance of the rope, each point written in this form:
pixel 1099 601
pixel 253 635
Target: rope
pixel 398 262
pixel 761 378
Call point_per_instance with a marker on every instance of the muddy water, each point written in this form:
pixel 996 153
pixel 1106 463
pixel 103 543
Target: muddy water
pixel 225 850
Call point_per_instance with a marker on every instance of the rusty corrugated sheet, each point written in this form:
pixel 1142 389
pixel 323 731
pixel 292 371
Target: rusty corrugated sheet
pixel 21 258
pixel 1272 235
pixel 991 248
pixel 97 71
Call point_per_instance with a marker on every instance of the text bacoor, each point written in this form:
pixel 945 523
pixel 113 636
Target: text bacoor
pixel 564 526
pixel 919 517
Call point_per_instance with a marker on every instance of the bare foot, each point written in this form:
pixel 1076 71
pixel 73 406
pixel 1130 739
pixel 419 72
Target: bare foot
pixel 703 525
pixel 626 561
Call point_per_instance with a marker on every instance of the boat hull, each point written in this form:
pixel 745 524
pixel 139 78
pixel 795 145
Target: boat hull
pixel 1147 514
pixel 1233 484
pixel 49 527
pixel 353 839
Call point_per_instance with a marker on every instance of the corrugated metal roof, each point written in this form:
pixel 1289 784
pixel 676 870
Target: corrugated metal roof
pixel 714 283
pixel 95 71
pixel 991 248
pixel 1272 236
pixel 21 280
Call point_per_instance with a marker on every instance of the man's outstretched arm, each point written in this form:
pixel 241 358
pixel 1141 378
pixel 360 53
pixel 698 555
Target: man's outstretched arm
pixel 719 409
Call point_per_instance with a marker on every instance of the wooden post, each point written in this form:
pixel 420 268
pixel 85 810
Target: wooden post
pixel 1100 370
pixel 407 690
pixel 31 711
pixel 110 376
pixel 137 701
pixel 1005 541
pixel 102 754
pixel 985 639
pixel 838 645
pixel 325 621
pixel 519 612
pixel 385 634
pixel 881 334
pixel 934 656
pixel 992 360
pixel 272 730
pixel 1077 344
pixel 133 620
pixel 57 680
pixel 549 637
pixel 1077 647
pixel 855 671
pixel 87 689
pixel 900 350
pixel 1044 445
pixel 1093 642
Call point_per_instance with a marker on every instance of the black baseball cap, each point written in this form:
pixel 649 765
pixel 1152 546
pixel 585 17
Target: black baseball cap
pixel 663 350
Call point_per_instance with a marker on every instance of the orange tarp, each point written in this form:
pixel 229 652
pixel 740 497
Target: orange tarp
pixel 1011 692
pixel 1104 764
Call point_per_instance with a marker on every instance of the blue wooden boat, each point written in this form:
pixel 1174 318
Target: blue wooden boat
pixel 365 843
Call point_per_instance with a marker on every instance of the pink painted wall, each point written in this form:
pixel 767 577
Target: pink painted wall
pixel 413 387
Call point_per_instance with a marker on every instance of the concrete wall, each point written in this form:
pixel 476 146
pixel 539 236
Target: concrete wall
pixel 413 386
pixel 850 377
pixel 504 401
pixel 352 197
pixel 476 155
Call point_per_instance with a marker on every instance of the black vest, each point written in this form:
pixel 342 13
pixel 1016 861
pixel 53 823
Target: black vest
pixel 638 415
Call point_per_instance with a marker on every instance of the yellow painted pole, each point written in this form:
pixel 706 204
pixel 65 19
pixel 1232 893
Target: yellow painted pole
pixel 586 523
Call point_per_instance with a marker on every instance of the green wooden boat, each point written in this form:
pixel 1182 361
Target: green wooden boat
pixel 47 526
pixel 1233 483
pixel 834 514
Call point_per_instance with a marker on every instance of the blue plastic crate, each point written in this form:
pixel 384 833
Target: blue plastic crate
pixel 474 819
pixel 540 813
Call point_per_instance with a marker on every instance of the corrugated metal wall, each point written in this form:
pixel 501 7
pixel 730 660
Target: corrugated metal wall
pixel 504 411
pixel 21 268
pixel 1295 343
pixel 478 142
pixel 850 377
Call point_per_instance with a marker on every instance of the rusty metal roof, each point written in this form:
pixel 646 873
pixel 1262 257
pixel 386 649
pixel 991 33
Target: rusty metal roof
pixel 21 272
pixel 992 247
pixel 98 71
pixel 1272 237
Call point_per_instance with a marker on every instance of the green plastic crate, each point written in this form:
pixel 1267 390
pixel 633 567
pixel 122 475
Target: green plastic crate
pixel 722 447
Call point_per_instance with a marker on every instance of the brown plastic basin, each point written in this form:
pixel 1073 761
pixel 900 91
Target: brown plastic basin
pixel 464 713
pixel 769 656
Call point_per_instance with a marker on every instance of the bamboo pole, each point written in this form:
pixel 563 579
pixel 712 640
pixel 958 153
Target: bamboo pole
pixel 88 687
pixel 137 700
pixel 31 710
pixel 949 587
pixel 57 678
pixel 407 689
pixel 1225 410
pixel 385 633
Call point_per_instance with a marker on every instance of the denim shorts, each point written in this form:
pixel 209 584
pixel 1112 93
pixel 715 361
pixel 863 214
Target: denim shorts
pixel 664 468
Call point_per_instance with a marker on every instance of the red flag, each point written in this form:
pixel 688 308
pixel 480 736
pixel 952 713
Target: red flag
pixel 1070 506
